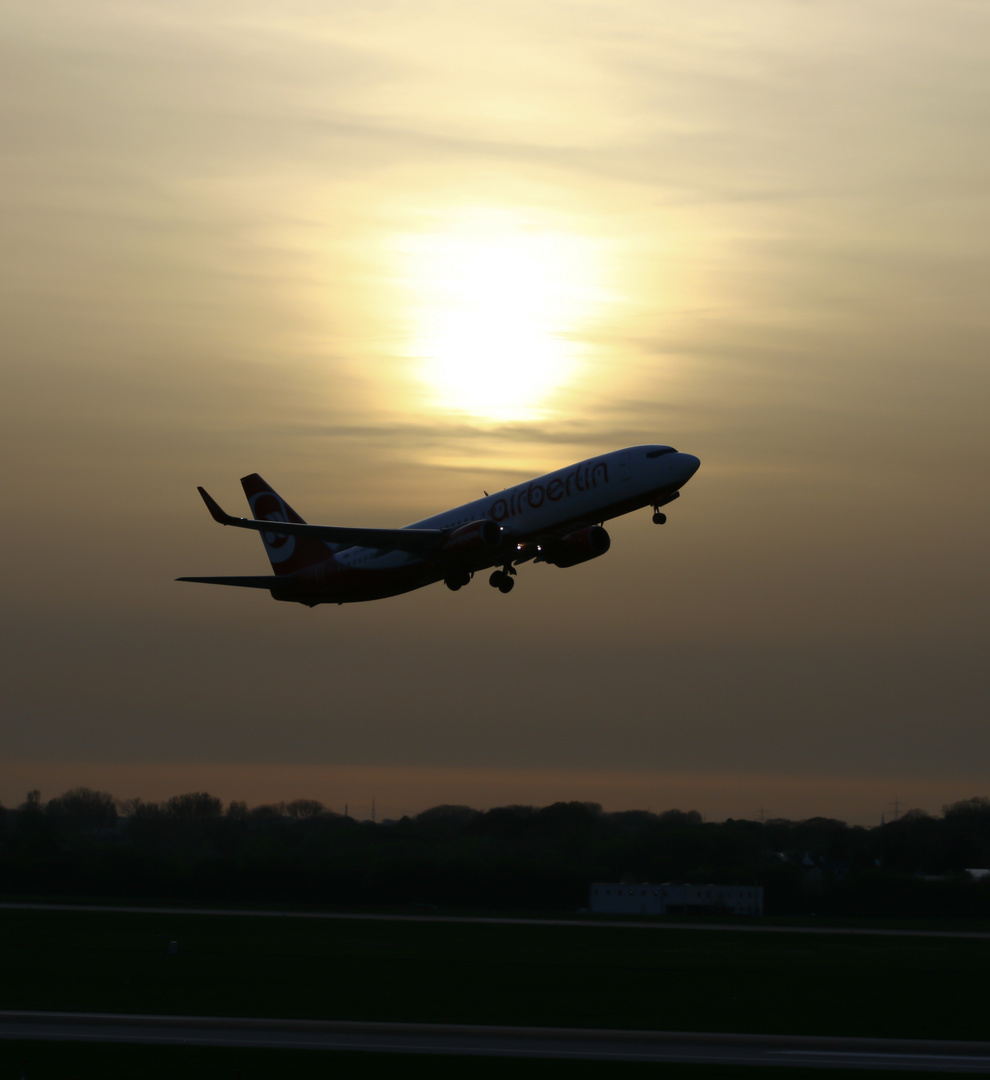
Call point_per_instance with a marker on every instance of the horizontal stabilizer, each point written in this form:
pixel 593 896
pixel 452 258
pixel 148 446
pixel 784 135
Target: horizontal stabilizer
pixel 396 539
pixel 267 581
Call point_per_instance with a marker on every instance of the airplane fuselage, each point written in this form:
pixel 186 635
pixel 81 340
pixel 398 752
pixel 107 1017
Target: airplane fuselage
pixel 554 518
pixel 590 492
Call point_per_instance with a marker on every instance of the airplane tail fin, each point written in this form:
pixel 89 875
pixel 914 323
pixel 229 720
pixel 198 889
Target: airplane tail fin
pixel 287 554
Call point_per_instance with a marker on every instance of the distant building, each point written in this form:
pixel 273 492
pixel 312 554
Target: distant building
pixel 608 898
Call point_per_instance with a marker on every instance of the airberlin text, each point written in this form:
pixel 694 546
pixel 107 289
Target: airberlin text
pixel 533 495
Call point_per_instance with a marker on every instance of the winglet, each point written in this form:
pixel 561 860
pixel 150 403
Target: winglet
pixel 214 508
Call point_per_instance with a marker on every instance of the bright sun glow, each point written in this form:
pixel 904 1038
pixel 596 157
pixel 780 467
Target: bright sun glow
pixel 496 312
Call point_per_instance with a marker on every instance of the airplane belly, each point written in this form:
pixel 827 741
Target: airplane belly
pixel 387 575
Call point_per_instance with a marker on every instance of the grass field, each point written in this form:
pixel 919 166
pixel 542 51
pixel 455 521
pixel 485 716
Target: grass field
pixel 691 980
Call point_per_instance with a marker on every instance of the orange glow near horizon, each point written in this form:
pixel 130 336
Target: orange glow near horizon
pixel 859 799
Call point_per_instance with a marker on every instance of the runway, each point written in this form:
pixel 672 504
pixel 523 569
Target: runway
pixel 382 1038
pixel 587 923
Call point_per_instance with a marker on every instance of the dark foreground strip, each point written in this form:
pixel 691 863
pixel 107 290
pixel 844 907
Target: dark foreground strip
pixel 122 909
pixel 702 1048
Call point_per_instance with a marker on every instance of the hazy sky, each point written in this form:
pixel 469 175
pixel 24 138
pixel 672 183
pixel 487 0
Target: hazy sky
pixel 392 254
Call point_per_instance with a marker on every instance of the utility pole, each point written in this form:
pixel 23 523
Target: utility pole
pixel 372 809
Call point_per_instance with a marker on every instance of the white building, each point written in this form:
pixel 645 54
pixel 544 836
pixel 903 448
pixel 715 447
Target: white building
pixel 609 898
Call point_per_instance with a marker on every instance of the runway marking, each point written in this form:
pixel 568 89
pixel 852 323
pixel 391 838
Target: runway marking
pixel 120 909
pixel 495 1041
pixel 886 1054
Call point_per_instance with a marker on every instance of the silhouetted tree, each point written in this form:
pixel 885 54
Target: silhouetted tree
pixel 446 819
pixel 194 807
pixel 83 811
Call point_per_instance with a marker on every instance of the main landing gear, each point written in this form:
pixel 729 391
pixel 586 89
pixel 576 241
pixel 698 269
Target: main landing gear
pixel 658 517
pixel 502 579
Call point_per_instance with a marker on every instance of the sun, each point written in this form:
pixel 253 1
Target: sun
pixel 495 310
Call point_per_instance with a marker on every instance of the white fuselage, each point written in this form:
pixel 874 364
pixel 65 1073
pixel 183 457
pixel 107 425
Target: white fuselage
pixel 591 491
pixel 556 519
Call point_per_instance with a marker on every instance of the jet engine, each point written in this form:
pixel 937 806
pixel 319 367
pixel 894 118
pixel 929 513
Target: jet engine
pixel 576 547
pixel 477 539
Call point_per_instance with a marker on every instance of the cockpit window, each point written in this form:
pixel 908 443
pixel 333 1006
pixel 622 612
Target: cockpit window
pixel 660 451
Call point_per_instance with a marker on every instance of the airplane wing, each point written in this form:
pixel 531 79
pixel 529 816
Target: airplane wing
pixel 267 581
pixel 396 539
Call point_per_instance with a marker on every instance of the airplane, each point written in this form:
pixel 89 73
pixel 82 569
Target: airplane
pixel 556 518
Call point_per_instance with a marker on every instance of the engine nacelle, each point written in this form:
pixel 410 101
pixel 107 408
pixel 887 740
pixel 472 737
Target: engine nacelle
pixel 476 540
pixel 577 547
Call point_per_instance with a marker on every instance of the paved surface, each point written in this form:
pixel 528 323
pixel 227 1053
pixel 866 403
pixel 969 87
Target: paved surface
pixel 766 1050
pixel 624 924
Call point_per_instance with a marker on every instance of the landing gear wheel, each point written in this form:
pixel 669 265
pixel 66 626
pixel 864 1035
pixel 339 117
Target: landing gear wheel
pixel 457 581
pixel 659 518
pixel 502 579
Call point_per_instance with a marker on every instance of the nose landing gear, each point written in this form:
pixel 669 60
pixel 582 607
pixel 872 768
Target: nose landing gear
pixel 660 518
pixel 502 579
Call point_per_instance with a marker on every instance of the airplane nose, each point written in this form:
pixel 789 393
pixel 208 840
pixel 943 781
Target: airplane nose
pixel 689 463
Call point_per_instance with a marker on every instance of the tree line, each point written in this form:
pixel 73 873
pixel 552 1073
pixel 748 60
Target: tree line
pixel 192 848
